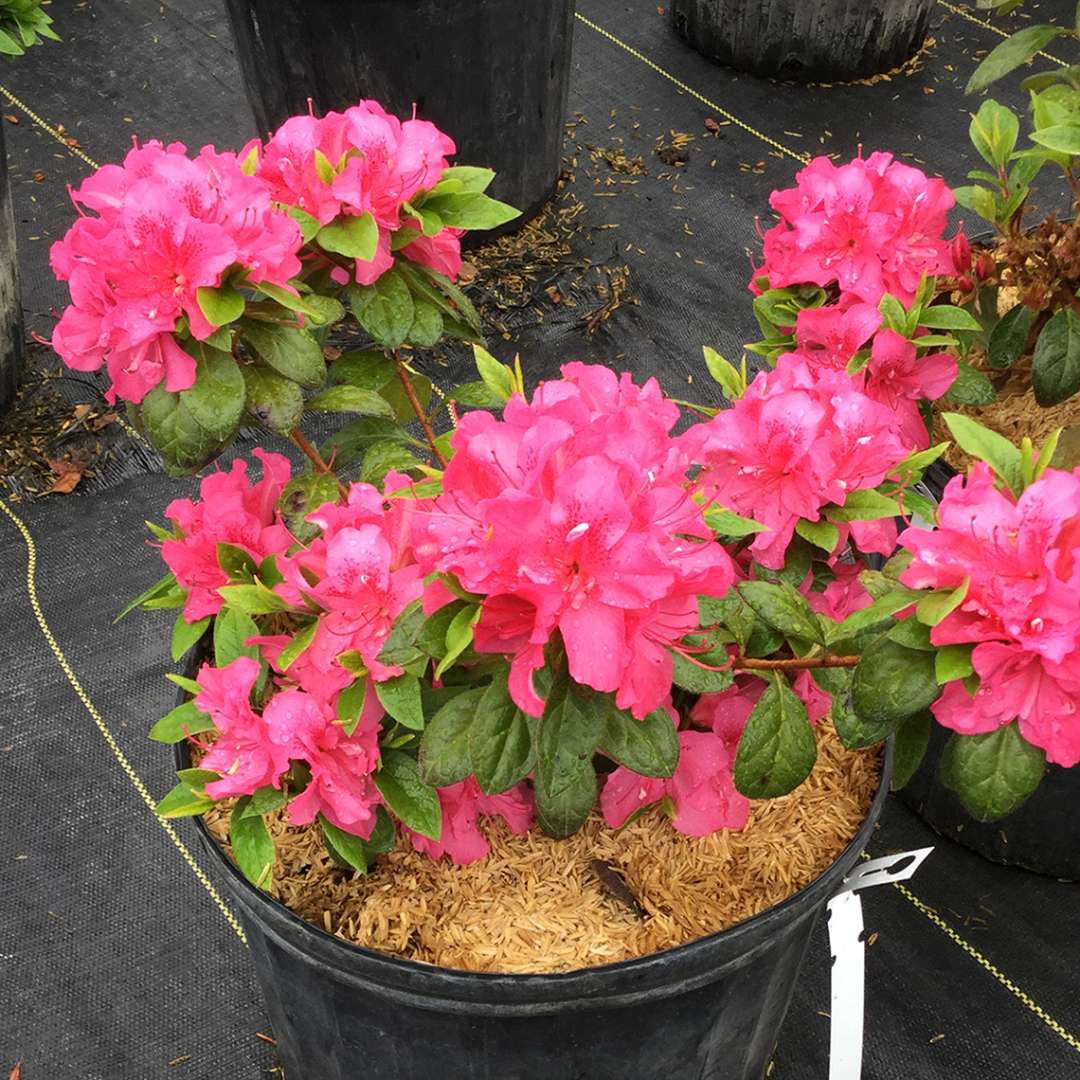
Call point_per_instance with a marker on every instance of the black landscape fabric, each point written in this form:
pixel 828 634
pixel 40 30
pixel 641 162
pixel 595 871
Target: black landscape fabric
pixel 114 960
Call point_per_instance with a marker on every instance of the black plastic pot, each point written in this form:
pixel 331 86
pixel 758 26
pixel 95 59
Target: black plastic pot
pixel 493 74
pixel 822 40
pixel 1043 835
pixel 11 324
pixel 711 1009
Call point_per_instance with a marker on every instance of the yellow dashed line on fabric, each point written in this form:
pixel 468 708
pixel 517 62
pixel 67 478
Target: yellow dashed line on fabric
pixel 1023 997
pixel 48 128
pixel 965 14
pixel 103 727
pixel 801 158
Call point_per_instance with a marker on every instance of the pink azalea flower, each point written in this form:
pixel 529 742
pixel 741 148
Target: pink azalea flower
pixel 230 510
pixel 727 712
pixel 573 513
pixel 441 253
pixel 702 789
pixel 845 594
pixel 1019 558
pixel 245 754
pixel 462 804
pixel 831 336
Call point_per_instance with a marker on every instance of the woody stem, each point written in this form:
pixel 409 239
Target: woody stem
pixel 314 457
pixel 414 401
pixel 798 663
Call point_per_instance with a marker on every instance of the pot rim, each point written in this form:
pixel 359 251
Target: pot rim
pixel 642 971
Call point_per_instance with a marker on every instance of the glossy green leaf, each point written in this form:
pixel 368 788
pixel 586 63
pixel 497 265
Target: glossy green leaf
pixel 1010 54
pixel 1055 372
pixel 414 802
pixel 385 309
pixel 649 747
pixel 994 774
pixel 232 627
pixel 290 351
pixel 400 697
pixel 356 236
pixel 783 608
pixel 1009 337
pixel 777 749
pixel 177 724
pixel 445 756
pixel 273 400
pixel 186 634
pixel 500 740
pixel 252 846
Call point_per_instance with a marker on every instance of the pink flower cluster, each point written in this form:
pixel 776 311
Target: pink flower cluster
pixel 231 510
pixel 799 439
pixel 895 376
pixel 870 227
pixel 1021 557
pixel 573 514
pixel 163 226
pixel 376 164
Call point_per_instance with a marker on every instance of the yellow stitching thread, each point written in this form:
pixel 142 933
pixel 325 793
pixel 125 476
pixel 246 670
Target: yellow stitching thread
pixel 114 746
pixel 48 128
pixel 965 14
pixel 801 158
pixel 997 973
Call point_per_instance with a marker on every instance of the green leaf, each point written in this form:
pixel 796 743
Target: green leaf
pixel 784 608
pixel 264 801
pixel 179 723
pixel 221 306
pixel 896 315
pixel 444 747
pixel 301 642
pixel 459 635
pixel 184 445
pixel 1061 138
pixel 427 325
pixel 1010 54
pixel 946 317
pixel 979 200
pixel 988 446
pixel 953 662
pixel 216 400
pixel 649 747
pixel 254 599
pixel 696 679
pixel 994 130
pixel 400 697
pixel 427 284
pixel 726 522
pixel 319 309
pixel 399 649
pixel 882 609
pixel 1055 374
pixel 867 505
pixel 498 378
pixel 385 310
pixel 993 773
pixel 324 167
pixel 912 634
pixel 971 386
pixel 350 442
pixel 935 606
pixel 345 848
pixel 304 495
pixel 471 210
pixel 350 399
pixel 186 634
pixel 273 400
pixel 252 846
pixel 232 627
pixel 566 739
pixel 380 457
pixel 309 224
pixel 1009 336
pixel 350 704
pixel 500 740
pixel 290 351
pixel 725 373
pixel 891 683
pixel 415 803
pixel 158 589
pixel 476 394
pixel 190 685
pixel 563 814
pixel 182 802
pixel 912 739
pixel 777 749
pixel 354 236
pixel 821 534
pixel 370 369
pixel 394 395
pixel 235 562
pixel 470 177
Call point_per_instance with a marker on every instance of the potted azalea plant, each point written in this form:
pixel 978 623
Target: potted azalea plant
pixel 533 732
pixel 22 24
pixel 821 294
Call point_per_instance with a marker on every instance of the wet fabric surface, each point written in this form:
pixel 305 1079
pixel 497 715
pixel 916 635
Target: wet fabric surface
pixel 116 962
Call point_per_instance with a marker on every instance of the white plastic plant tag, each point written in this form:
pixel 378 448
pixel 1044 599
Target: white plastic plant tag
pixel 849 957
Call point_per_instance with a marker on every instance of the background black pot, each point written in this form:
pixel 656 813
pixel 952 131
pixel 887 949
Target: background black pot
pixel 712 1008
pixel 1043 835
pixel 805 39
pixel 493 74
pixel 11 325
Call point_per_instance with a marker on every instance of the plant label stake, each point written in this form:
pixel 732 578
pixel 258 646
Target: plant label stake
pixel 848 950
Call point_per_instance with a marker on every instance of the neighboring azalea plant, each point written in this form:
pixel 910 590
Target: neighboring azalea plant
pixel 570 601
pixel 23 24
pixel 1027 277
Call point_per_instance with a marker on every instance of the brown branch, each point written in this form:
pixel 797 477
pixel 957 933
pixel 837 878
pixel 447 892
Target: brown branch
pixel 414 401
pixel 798 663
pixel 313 456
